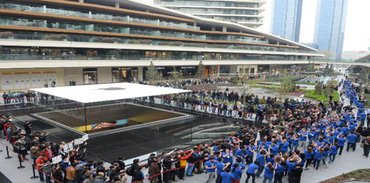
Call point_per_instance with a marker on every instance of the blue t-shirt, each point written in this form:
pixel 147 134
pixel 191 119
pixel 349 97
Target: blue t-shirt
pixel 341 141
pixel 274 150
pixel 303 136
pixel 261 158
pixel 280 169
pixel 210 164
pixel 268 172
pixel 219 167
pixel 228 158
pixel 226 177
pixel 352 138
pixel 252 168
pixel 325 154
pixel 240 154
pixel 237 173
pixel 318 155
pixel 290 165
pixel 334 150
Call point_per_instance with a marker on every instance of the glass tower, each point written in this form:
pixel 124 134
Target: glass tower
pixel 286 21
pixel 330 26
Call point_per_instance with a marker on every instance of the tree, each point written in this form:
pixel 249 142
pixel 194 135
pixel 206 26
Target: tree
pixel 152 74
pixel 318 88
pixel 287 85
pixel 175 76
pixel 328 70
pixel 311 67
pixel 200 71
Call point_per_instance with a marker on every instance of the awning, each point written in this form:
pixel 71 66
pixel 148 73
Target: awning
pixel 107 92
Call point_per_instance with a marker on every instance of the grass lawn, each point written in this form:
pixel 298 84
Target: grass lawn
pixel 322 97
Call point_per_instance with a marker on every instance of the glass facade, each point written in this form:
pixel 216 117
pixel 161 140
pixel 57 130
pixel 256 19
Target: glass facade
pixel 286 21
pixel 24 53
pixel 247 12
pixel 330 27
pixel 25 35
pixel 79 26
pixel 89 14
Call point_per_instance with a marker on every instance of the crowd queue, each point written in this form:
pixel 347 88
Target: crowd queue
pixel 300 135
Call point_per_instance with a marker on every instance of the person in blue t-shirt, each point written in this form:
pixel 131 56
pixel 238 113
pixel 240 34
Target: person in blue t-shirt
pixel 251 171
pixel 227 176
pixel 279 172
pixel 309 156
pixel 317 158
pixel 219 169
pixel 210 167
pixel 261 159
pixel 351 141
pixel 325 156
pixel 340 141
pixel 269 173
pixel 227 156
pixel 237 173
pixel 333 152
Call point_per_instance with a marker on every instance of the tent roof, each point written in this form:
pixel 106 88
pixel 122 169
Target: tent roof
pixel 107 92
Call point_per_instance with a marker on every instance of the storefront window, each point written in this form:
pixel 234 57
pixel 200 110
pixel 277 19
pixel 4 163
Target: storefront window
pixel 90 76
pixel 124 74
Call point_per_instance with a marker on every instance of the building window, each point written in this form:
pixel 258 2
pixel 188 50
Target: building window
pixel 124 74
pixel 90 76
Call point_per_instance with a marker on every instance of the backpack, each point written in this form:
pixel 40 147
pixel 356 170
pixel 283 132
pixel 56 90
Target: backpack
pixel 130 171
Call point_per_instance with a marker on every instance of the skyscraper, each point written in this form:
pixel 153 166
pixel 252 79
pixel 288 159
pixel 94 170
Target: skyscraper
pixel 286 21
pixel 330 26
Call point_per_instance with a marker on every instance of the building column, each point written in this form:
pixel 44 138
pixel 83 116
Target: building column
pixel 224 29
pixel 117 5
pixel 213 28
pixel 195 24
pixel 81 1
pixel 140 74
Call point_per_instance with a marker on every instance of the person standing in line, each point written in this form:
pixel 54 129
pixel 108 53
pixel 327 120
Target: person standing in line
pixel 317 158
pixel 333 152
pixel 210 169
pixel 340 141
pixel 351 141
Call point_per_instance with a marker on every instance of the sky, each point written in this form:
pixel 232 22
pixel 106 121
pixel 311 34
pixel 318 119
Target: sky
pixel 357 33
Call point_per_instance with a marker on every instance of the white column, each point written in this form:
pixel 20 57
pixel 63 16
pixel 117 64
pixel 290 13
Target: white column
pixel 224 29
pixel 140 74
pixel 117 5
pixel 81 1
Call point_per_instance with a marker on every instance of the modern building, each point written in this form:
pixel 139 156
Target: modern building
pixel 286 19
pixel 330 27
pixel 92 41
pixel 353 55
pixel 245 12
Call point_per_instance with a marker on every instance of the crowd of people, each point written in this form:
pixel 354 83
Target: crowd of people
pixel 309 135
pixel 33 146
pixel 299 135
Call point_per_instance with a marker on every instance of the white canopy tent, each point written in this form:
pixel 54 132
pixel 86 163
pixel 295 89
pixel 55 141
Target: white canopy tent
pixel 107 92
